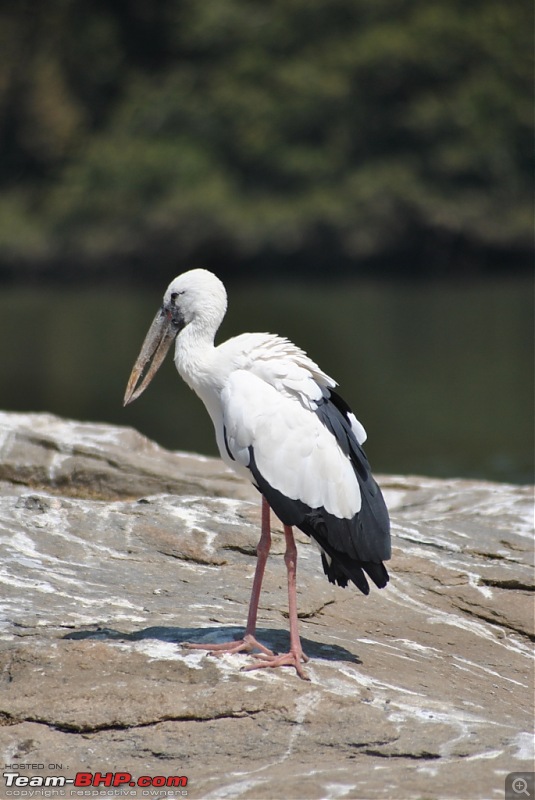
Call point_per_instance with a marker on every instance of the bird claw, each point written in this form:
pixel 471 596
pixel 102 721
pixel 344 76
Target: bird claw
pixel 245 645
pixel 290 659
pixel 265 658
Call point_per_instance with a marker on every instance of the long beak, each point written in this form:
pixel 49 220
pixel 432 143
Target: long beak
pixel 157 342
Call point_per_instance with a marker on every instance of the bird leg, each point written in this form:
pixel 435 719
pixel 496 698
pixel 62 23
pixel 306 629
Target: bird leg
pixel 248 642
pixel 295 655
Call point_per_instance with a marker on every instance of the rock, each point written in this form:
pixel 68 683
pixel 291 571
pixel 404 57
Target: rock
pixel 113 551
pixel 102 462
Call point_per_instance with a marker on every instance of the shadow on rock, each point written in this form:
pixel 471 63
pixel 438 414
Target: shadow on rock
pixel 278 640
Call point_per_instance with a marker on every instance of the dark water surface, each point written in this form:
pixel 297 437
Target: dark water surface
pixel 441 375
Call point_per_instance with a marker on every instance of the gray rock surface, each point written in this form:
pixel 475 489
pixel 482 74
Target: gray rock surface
pixel 113 551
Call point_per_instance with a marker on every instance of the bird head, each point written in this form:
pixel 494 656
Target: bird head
pixel 195 296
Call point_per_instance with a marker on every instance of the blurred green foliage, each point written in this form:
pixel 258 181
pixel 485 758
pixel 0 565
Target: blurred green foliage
pixel 239 130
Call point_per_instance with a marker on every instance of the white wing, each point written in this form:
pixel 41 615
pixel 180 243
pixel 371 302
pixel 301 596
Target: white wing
pixel 280 363
pixel 287 368
pixel 294 451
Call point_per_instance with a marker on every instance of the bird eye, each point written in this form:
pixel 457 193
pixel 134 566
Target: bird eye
pixel 174 296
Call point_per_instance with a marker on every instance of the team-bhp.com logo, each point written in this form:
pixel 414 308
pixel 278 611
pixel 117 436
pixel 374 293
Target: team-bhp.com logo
pixel 90 784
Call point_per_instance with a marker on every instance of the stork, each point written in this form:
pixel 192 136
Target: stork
pixel 280 424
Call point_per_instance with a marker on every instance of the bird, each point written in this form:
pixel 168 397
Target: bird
pixel 280 424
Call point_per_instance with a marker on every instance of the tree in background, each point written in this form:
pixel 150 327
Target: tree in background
pixel 325 133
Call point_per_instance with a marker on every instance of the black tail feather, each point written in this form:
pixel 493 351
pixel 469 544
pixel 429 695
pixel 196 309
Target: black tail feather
pixel 340 570
pixel 350 547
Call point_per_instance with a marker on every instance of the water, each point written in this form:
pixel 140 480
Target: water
pixel 440 374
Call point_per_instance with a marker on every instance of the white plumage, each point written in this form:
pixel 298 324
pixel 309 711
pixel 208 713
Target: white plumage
pixel 279 423
pixel 294 451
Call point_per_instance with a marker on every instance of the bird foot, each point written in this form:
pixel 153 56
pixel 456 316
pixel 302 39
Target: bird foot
pixel 245 645
pixel 291 659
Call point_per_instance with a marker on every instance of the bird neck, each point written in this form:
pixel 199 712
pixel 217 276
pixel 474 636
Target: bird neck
pixel 194 352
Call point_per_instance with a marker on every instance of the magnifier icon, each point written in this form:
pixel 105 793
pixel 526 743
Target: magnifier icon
pixel 520 786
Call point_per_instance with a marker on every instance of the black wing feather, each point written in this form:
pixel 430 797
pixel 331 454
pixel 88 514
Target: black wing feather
pixel 351 547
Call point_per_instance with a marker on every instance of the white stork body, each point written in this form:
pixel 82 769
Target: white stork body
pixel 262 392
pixel 278 423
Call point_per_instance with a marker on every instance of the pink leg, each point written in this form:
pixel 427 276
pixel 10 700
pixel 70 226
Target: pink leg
pixel 248 642
pixel 295 655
